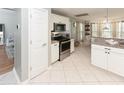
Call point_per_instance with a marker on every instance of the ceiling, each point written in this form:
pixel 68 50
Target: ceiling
pixel 94 14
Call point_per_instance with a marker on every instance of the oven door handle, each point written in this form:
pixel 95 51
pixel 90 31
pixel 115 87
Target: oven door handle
pixel 65 42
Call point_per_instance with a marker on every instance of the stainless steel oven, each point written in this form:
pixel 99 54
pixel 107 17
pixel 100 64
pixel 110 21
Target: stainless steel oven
pixel 64 46
pixel 64 49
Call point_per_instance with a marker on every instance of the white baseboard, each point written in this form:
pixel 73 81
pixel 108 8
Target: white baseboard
pixel 26 81
pixel 17 78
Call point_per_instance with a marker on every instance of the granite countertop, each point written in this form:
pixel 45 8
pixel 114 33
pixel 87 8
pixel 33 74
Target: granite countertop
pixel 101 41
pixel 54 41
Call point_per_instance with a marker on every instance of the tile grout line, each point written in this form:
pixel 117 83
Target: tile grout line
pixel 80 76
pixel 78 72
pixel 64 74
pixel 104 81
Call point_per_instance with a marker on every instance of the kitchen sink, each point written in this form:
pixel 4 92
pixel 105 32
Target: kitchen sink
pixel 111 42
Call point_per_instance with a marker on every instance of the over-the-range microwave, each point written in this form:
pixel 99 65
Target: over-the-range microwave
pixel 59 27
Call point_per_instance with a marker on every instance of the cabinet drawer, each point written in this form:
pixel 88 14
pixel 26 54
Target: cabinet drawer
pixel 117 50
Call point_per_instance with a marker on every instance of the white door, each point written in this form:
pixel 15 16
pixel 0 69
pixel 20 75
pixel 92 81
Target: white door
pixel 116 62
pixel 99 56
pixel 39 41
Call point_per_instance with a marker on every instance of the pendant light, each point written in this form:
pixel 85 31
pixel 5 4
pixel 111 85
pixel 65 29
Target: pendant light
pixel 107 23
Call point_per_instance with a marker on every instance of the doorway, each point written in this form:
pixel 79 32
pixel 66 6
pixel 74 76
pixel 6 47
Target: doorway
pixel 7 29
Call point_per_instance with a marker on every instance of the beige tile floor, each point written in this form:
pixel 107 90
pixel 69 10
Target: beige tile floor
pixel 77 70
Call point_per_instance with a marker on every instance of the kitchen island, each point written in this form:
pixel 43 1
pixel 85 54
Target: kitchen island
pixel 108 54
pixel 102 42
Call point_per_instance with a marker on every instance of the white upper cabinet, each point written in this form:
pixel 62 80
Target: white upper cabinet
pixel 60 19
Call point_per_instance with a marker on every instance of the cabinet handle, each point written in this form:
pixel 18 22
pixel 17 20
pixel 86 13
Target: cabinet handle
pixel 55 45
pixel 108 52
pixel 105 52
pixel 109 49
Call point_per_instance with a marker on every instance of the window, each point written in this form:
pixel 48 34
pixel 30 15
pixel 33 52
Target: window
pixel 81 31
pixel 122 30
pixel 118 30
pixel 94 30
pixel 115 29
pixel 107 33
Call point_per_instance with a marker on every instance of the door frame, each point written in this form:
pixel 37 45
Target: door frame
pixel 29 63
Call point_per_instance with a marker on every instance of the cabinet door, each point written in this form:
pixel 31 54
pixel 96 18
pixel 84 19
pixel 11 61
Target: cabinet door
pixel 54 52
pixel 54 19
pixel 116 62
pixel 72 45
pixel 99 57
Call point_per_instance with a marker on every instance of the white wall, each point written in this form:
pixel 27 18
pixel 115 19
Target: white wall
pixel 49 37
pixel 22 59
pixel 17 60
pixel 73 29
pixel 22 44
pixel 11 19
pixel 25 43
pixel 8 17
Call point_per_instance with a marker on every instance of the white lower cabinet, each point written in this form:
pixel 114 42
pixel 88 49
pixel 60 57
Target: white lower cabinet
pixel 72 46
pixel 111 59
pixel 116 61
pixel 99 57
pixel 54 52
